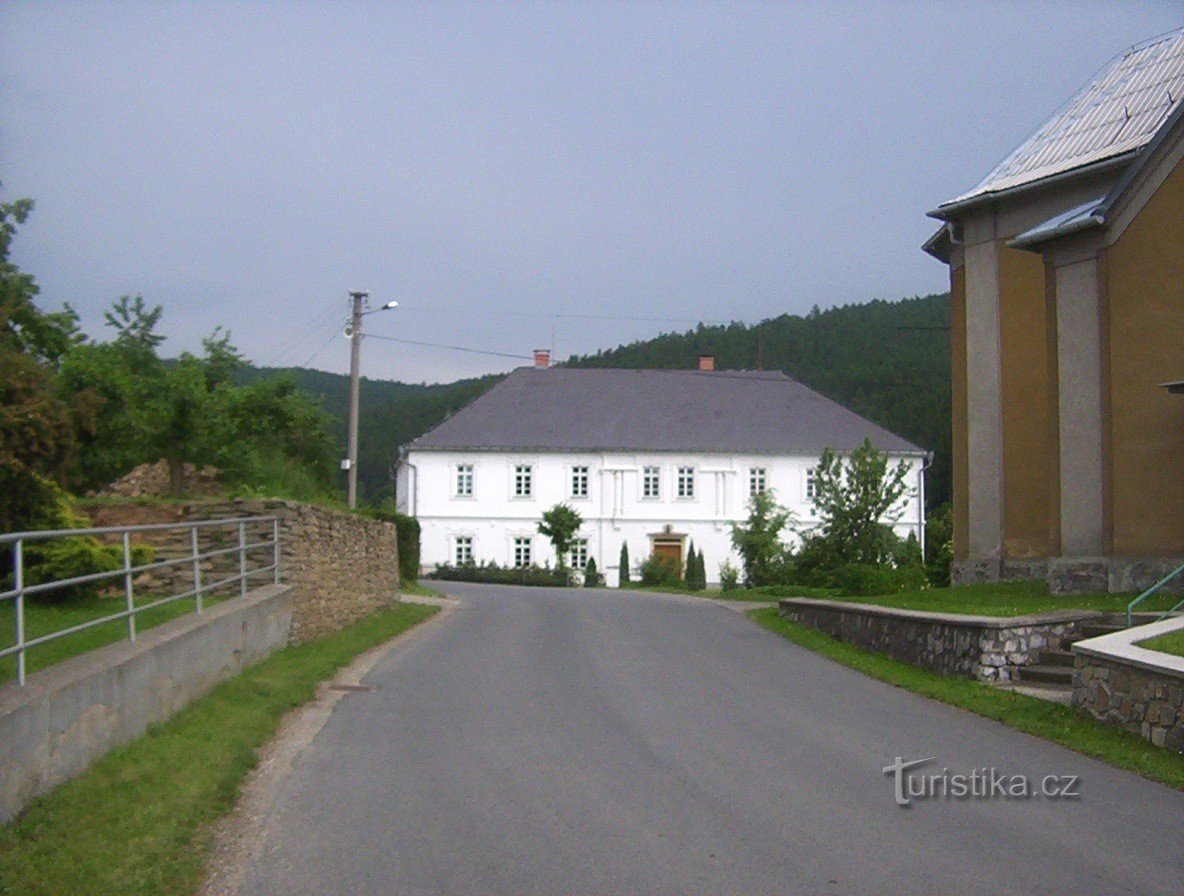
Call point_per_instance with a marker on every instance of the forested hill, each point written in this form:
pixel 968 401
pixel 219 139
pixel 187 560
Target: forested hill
pixel 888 361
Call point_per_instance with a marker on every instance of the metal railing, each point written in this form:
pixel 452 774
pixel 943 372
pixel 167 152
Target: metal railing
pixel 192 558
pixel 1130 608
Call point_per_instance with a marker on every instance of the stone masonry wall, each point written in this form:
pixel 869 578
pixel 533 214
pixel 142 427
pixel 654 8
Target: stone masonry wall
pixel 341 566
pixel 981 647
pixel 1142 701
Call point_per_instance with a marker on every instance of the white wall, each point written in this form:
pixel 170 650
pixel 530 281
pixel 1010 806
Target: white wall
pixel 614 510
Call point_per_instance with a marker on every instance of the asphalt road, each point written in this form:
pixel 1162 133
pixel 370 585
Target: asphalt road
pixel 592 742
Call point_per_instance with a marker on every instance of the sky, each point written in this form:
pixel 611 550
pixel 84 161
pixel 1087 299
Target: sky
pixel 516 175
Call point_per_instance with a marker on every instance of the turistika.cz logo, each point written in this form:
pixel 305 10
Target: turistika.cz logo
pixel 981 784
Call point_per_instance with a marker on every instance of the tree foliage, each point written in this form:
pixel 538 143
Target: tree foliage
pixel 623 566
pixel 560 524
pixel 856 500
pixel 758 539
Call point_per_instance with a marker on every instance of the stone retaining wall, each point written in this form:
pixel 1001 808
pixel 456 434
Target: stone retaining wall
pixel 987 648
pixel 341 566
pixel 1118 681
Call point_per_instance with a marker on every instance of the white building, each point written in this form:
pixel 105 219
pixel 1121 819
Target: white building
pixel 653 458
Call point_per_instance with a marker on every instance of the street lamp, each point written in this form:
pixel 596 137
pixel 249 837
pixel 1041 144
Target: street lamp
pixel 355 356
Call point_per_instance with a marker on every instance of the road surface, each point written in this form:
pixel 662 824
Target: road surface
pixel 542 741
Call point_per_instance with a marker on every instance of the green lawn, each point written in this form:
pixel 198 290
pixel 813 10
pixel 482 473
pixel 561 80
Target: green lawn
pixel 1172 642
pixel 1007 599
pixel 42 619
pixel 1060 724
pixel 139 820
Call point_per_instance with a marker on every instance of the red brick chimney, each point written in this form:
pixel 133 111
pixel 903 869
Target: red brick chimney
pixel 707 362
pixel 542 358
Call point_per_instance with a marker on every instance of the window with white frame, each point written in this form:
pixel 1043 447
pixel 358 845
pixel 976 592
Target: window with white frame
pixel 686 482
pixel 523 481
pixel 756 480
pixel 522 551
pixel 464 480
pixel 577 556
pixel 651 483
pixel 463 549
pixel 579 482
pixel 811 483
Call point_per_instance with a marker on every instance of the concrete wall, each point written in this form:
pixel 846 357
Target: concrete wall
pixel 67 716
pixel 614 510
pixel 984 647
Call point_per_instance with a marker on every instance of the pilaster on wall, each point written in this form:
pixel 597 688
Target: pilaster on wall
pixel 984 417
pixel 1081 408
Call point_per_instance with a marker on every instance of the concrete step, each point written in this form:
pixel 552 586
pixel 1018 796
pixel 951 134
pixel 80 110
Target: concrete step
pixel 1093 629
pixel 1054 657
pixel 1051 674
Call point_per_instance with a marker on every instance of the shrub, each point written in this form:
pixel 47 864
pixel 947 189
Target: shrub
pixel 869 579
pixel 68 558
pixel 661 571
pixel 406 538
pixel 493 574
pixel 729 576
pixel 592 578
pixel 758 538
pixel 623 578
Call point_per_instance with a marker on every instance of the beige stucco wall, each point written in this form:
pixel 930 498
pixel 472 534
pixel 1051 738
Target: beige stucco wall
pixel 1027 423
pixel 1145 290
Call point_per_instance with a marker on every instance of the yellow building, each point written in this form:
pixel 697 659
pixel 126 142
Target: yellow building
pixel 1067 292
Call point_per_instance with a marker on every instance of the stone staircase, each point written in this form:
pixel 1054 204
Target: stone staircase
pixel 1051 676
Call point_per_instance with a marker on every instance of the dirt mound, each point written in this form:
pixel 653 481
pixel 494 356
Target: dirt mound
pixel 152 481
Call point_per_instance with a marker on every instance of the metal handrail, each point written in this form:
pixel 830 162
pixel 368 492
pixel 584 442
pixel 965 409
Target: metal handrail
pixel 1146 594
pixel 128 572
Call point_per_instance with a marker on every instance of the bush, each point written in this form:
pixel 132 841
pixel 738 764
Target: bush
pixel 729 576
pixel 406 538
pixel 868 580
pixel 496 575
pixel 68 558
pixel 661 571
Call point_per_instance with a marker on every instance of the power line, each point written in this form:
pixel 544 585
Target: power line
pixel 336 332
pixel 454 348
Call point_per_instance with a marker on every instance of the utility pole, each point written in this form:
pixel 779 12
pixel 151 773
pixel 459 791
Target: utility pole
pixel 358 298
pixel 355 360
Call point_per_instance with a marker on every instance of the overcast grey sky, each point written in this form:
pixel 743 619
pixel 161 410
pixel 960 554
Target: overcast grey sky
pixel 495 166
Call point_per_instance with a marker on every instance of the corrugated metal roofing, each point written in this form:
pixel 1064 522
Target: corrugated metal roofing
pixel 1117 113
pixel 603 409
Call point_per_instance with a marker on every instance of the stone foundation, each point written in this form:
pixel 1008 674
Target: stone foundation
pixel 983 647
pixel 1144 702
pixel 1073 575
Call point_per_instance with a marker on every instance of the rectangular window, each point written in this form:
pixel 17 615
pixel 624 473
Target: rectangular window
pixel 464 480
pixel 464 549
pixel 686 482
pixel 811 484
pixel 578 555
pixel 522 552
pixel 523 481
pixel 579 482
pixel 756 481
pixel 651 482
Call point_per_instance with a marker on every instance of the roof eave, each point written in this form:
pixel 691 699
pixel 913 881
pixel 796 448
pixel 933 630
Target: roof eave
pixel 950 211
pixel 940 245
pixel 1077 225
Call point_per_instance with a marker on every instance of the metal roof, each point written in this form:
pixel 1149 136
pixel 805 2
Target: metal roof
pixel 1115 115
pixel 605 409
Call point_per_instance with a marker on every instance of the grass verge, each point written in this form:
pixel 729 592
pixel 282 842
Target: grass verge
pixel 45 618
pixel 1005 599
pixel 1060 724
pixel 1172 642
pixel 139 820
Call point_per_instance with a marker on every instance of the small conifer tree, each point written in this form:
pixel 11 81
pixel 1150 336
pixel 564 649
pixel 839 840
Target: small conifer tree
pixel 623 580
